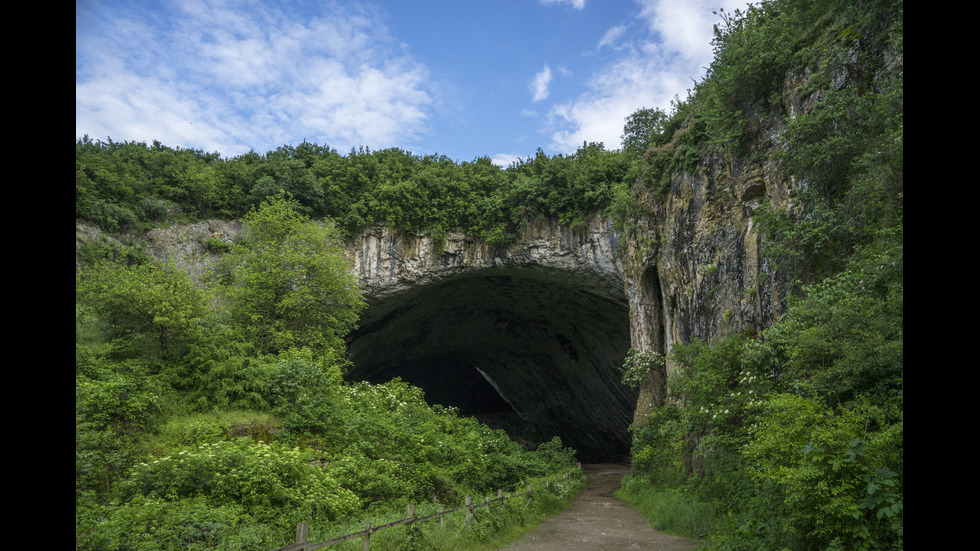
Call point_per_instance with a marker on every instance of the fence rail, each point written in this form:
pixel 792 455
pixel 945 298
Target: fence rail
pixel 303 529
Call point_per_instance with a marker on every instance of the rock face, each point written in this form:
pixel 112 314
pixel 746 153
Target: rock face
pixel 539 328
pixel 692 266
pixel 547 322
pixel 388 261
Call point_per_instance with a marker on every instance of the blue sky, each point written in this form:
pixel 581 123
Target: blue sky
pixel 461 78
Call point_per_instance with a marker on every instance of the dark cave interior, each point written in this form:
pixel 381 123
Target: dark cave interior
pixel 536 352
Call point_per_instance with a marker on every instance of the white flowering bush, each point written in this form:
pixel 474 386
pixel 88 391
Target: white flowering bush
pixel 721 387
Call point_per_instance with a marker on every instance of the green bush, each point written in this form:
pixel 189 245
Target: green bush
pixel 657 452
pixel 153 305
pixel 220 370
pixel 392 448
pixel 830 481
pixel 266 480
pixel 116 404
pixel 150 524
pixel 303 393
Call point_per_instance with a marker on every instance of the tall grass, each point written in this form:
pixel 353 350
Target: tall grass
pixel 671 510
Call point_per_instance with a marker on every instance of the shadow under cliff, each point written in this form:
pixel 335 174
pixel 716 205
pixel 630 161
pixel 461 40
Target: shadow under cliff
pixel 543 344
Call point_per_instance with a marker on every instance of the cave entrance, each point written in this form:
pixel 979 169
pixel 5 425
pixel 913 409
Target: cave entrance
pixel 533 351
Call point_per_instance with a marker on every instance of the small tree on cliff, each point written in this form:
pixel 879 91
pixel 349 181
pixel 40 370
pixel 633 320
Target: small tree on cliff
pixel 290 284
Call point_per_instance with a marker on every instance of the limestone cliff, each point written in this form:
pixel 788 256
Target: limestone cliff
pixel 692 265
pixel 547 320
pixel 388 261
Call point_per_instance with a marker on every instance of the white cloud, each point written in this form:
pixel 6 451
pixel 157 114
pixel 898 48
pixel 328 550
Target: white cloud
pixel 611 36
pixel 539 86
pixel 685 27
pixel 504 159
pixel 649 73
pixel 598 115
pixel 577 4
pixel 230 81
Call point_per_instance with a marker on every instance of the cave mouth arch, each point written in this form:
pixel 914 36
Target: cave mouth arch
pixel 545 344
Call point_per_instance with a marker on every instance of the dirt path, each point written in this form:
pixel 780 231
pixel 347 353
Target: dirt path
pixel 598 521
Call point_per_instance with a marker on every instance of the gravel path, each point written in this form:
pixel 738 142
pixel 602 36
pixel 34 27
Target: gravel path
pixel 598 521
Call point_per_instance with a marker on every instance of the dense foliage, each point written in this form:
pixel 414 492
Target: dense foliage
pixel 793 438
pixel 122 185
pixel 218 418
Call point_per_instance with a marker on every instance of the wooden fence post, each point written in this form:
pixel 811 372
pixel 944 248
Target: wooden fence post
pixel 303 529
pixel 302 532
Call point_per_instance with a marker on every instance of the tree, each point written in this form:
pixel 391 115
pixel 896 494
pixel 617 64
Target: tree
pixel 288 176
pixel 143 300
pixel 643 129
pixel 291 283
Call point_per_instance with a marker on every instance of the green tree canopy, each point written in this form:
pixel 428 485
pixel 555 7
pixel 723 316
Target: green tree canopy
pixel 144 302
pixel 644 128
pixel 291 284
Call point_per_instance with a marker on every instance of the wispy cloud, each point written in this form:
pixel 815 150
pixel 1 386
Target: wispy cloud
pixel 577 4
pixel 649 72
pixel 238 79
pixel 611 36
pixel 539 86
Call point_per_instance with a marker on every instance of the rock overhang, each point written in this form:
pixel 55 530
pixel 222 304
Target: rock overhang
pixel 538 341
pixel 541 328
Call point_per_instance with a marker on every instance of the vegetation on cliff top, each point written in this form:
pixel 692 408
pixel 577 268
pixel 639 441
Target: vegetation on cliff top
pixel 122 185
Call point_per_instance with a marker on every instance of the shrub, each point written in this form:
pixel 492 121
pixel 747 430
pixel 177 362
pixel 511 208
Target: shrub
pixel 831 482
pixel 303 392
pixel 658 446
pixel 151 524
pixel 264 479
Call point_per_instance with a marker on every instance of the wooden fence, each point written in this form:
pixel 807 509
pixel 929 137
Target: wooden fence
pixel 303 529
